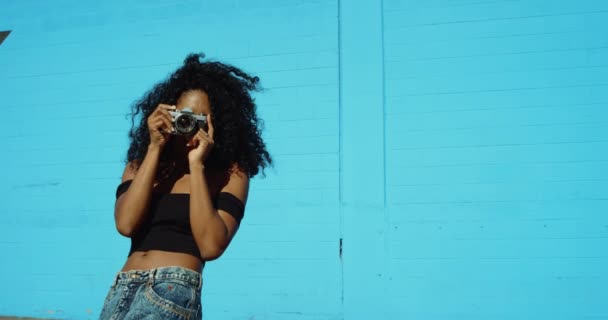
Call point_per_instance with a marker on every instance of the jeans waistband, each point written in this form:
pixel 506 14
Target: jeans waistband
pixel 149 275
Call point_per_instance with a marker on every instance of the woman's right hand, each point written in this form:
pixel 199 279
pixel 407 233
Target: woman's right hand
pixel 160 125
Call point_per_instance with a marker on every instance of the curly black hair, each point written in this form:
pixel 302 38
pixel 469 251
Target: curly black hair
pixel 237 134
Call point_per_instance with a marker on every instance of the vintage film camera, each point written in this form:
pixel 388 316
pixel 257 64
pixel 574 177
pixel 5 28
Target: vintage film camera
pixel 186 122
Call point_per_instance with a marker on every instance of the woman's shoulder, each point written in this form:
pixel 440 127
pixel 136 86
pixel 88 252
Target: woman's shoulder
pixel 130 170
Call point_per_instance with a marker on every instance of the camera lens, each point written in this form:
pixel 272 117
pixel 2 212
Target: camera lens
pixel 185 124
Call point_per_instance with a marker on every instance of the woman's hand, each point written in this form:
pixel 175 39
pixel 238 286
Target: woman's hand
pixel 160 125
pixel 200 145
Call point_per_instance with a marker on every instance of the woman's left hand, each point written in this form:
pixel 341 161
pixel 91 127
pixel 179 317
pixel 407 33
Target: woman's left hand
pixel 201 144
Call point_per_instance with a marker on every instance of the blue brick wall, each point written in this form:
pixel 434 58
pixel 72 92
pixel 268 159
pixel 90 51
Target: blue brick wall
pixel 77 67
pixel 496 139
pixel 458 149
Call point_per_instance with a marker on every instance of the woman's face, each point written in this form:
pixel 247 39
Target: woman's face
pixel 197 100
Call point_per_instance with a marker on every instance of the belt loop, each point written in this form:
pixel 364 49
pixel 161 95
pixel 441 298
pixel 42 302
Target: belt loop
pixel 152 276
pixel 115 279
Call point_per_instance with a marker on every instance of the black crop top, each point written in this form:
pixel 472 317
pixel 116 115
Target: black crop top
pixel 167 228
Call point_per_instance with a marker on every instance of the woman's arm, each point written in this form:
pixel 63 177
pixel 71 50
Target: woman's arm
pixel 213 229
pixel 131 206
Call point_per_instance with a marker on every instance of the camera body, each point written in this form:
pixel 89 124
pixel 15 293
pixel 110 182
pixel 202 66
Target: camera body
pixel 186 122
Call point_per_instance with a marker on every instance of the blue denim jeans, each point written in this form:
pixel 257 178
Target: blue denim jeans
pixel 163 293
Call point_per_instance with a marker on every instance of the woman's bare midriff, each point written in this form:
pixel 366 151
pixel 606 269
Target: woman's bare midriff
pixel 140 260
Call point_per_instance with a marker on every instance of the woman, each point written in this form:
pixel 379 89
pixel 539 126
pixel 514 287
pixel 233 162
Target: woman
pixel 183 195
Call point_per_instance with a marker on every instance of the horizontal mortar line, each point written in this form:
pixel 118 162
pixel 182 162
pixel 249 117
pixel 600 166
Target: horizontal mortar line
pixel 480 299
pixel 485 37
pixel 259 188
pixel 528 238
pixel 328 235
pixel 271 122
pixel 492 182
pixel 262 72
pixel 84 147
pixel 551 106
pixel 94 116
pixel 537 278
pixel 326 50
pixel 395 131
pixel 98 212
pixel 281 105
pixel 276 259
pixel 527 71
pixel 500 54
pixel 128 101
pixel 310 171
pixel 503 258
pixel 501 19
pixel 11 243
pixel 191 17
pixel 84 86
pixel 79 163
pixel 58 44
pixel 495 201
pixel 130 27
pixel 43 211
pixel 497 90
pixel 400 223
pixel 510 163
pixel 306 153
pixel 499 145
pixel 301 137
pixel 90 71
pixel 37 135
pixel 47 184
pixel 298 120
pixel 147 66
pixel 460 218
pixel 459 40
pixel 275 102
pixel 63 103
pixel 85 12
pixel 288 53
pixel 316 50
pixel 67 182
pixel 139 35
pixel 327 84
pixel 452 5
pixel 470 206
pixel 104 178
pixel 69 118
pixel 527 34
pixel 300 204
pixel 264 89
pixel 278 54
pixel 283 223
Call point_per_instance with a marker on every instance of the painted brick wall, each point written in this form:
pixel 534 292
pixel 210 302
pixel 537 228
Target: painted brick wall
pixel 458 149
pixel 75 67
pixel 496 135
